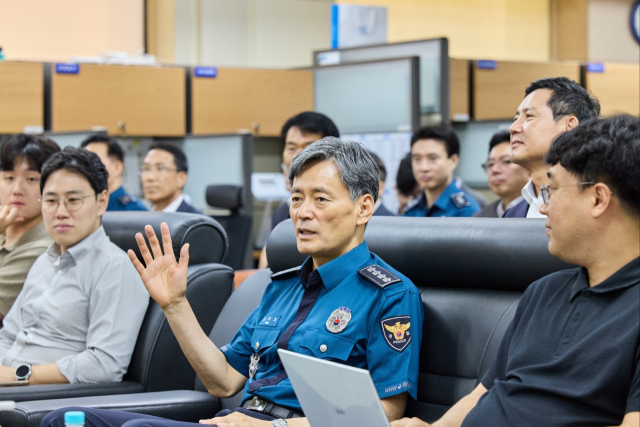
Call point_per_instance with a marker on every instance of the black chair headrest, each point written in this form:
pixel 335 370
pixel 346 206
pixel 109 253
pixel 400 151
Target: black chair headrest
pixel 488 253
pixel 207 239
pixel 225 196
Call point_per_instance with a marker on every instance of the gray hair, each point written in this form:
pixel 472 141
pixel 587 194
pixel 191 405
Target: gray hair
pixel 358 170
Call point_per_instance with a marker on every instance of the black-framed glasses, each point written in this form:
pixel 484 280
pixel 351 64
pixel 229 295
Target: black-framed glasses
pixel 491 164
pixel 546 190
pixel 71 203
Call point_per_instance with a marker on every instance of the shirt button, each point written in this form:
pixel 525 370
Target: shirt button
pixel 257 345
pixel 566 340
pixel 323 348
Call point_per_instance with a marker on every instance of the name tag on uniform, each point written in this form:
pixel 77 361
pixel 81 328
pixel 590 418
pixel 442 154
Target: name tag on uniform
pixel 270 320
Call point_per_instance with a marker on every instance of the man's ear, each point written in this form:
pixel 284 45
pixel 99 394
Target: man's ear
pixel 118 166
pixel 454 158
pixel 366 206
pixel 572 122
pixel 602 198
pixel 182 179
pixel 103 202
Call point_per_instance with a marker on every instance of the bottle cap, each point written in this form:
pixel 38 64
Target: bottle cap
pixel 74 417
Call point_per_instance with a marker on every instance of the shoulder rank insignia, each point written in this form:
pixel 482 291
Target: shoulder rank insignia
pixel 126 199
pixel 379 276
pixel 286 273
pixel 397 332
pixel 460 200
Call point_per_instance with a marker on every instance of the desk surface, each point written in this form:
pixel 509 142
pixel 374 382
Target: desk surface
pixel 21 96
pixel 127 100
pixel 248 99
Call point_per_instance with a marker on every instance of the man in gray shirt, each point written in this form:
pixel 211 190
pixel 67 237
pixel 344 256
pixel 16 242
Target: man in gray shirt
pixel 82 304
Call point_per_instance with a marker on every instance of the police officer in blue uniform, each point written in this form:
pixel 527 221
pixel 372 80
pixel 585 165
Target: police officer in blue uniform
pixel 435 152
pixel 112 156
pixel 344 304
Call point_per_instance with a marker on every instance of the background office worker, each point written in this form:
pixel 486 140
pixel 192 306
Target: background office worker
pixel 550 106
pixel 571 356
pixel 505 178
pixel 112 156
pixel 164 174
pixel 435 152
pixel 82 304
pixel 23 237
pixel 334 306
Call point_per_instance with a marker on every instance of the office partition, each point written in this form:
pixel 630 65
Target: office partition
pixel 434 70
pixel 21 96
pixel 617 86
pixel 366 97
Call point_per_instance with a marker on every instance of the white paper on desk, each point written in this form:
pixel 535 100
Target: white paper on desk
pixel 269 186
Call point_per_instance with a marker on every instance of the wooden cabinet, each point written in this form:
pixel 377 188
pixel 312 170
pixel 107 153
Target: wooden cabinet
pixel 21 96
pixel 617 87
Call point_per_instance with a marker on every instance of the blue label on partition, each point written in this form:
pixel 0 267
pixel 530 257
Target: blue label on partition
pixel 67 68
pixel 486 65
pixel 210 72
pixel 595 67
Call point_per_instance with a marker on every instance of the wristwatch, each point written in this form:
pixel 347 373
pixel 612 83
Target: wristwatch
pixel 279 422
pixel 23 372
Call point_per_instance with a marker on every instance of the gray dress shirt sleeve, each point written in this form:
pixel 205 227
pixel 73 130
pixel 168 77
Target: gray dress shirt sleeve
pixel 116 312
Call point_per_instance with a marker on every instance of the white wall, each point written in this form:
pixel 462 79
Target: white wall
pixel 610 37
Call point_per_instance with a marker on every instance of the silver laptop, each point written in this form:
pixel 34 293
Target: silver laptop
pixel 333 395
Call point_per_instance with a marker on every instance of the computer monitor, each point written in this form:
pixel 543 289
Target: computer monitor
pixel 434 70
pixel 365 97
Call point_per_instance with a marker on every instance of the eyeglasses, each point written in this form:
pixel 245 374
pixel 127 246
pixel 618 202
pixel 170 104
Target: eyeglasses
pixel 72 203
pixel 491 164
pixel 159 169
pixel 545 190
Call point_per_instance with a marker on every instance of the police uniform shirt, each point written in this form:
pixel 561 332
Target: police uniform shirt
pixel 452 202
pixel 571 356
pixel 120 200
pixel 380 307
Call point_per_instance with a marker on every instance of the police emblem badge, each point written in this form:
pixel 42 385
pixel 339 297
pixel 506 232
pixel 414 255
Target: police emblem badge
pixel 397 332
pixel 253 365
pixel 338 320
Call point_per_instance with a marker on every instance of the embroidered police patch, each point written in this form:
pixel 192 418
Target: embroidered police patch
pixel 460 200
pixel 126 199
pixel 397 332
pixel 285 273
pixel 379 275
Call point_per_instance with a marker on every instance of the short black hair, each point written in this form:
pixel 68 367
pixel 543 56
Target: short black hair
pixel 179 157
pixel 443 133
pixel 33 149
pixel 499 138
pixel 380 164
pixel 310 122
pixel 405 181
pixel 568 98
pixel 605 150
pixel 79 161
pixel 114 149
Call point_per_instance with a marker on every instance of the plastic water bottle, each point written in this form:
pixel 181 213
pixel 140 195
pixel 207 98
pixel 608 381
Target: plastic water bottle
pixel 1 55
pixel 74 419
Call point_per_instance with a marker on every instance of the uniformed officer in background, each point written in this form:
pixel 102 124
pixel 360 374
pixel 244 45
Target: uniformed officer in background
pixel 343 304
pixel 112 156
pixel 435 152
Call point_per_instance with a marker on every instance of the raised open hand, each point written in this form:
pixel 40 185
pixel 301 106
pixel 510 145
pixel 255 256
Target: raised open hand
pixel 164 278
pixel 8 215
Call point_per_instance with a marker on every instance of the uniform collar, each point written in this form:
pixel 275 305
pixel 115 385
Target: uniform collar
pixel 80 249
pixel 336 270
pixel 444 199
pixel 118 193
pixel 627 276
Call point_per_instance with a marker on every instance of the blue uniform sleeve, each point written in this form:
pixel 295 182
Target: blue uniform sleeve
pixel 393 349
pixel 238 352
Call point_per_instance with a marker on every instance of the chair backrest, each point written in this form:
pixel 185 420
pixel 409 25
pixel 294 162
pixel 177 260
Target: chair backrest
pixel 237 225
pixel 471 273
pixel 157 362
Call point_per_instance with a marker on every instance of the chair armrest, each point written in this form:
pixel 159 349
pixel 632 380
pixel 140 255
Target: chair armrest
pixel 178 405
pixel 62 391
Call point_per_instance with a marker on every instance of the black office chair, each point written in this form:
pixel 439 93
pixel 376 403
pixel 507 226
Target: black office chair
pixel 237 224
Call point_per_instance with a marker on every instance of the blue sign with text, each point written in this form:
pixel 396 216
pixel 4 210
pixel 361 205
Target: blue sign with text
pixel 67 68
pixel 210 72
pixel 595 67
pixel 487 65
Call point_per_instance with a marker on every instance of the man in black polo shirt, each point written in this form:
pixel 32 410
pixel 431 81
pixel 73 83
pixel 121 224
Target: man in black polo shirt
pixel 571 356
